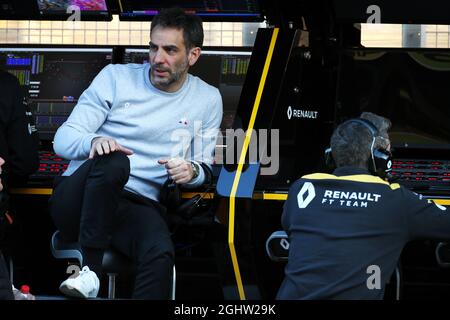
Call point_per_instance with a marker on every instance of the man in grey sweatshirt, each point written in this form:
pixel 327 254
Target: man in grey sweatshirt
pixel 134 127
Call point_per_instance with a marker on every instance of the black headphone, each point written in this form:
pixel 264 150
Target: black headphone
pixel 380 162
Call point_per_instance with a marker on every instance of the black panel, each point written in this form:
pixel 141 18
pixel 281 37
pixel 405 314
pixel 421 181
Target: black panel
pixel 209 10
pixel 18 9
pixel 297 100
pixel 410 87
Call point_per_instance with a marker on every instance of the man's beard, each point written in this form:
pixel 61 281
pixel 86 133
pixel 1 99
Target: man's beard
pixel 173 76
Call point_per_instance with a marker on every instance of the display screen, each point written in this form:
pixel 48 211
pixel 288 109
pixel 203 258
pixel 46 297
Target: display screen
pixel 53 79
pixel 209 10
pixel 410 87
pixel 70 8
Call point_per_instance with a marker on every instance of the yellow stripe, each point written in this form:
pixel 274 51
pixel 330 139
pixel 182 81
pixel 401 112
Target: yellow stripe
pixel 444 202
pixel 241 164
pixel 44 191
pixel 120 5
pixel 204 195
pixel 269 196
pixel 184 195
pixel 395 186
pixel 357 177
pixel 256 196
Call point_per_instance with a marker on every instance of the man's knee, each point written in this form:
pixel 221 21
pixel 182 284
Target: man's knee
pixel 114 166
pixel 163 253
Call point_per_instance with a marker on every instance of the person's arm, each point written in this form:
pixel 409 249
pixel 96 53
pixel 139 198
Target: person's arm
pixel 21 136
pixel 73 140
pixel 204 143
pixel 425 219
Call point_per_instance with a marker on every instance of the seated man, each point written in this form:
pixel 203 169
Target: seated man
pixel 347 229
pixel 123 139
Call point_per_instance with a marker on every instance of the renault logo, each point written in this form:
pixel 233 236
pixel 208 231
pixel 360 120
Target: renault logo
pixel 298 113
pixel 289 113
pixel 308 188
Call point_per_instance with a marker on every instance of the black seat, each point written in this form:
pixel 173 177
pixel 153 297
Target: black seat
pixel 114 263
pixel 277 248
pixel 442 253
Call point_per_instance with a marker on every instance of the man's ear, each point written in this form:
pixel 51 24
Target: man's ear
pixel 194 54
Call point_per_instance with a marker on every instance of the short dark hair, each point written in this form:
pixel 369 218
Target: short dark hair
pixel 176 18
pixel 351 141
pixel 382 124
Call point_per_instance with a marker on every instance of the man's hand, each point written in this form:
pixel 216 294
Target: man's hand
pixel 106 145
pixel 179 170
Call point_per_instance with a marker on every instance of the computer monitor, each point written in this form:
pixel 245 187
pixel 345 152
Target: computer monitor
pixel 87 9
pixel 53 79
pixel 408 86
pixel 224 68
pixel 211 10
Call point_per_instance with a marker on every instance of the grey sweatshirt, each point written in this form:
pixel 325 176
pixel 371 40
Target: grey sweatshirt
pixel 122 103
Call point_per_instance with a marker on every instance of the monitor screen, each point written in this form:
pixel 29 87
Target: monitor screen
pixel 53 79
pixel 211 10
pixel 70 8
pixel 224 69
pixel 410 87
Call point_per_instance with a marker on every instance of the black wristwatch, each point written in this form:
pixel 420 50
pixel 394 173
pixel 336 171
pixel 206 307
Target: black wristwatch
pixel 195 170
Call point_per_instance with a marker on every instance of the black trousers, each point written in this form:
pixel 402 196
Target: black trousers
pixel 91 206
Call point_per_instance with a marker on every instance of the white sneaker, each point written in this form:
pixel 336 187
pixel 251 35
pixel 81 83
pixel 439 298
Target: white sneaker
pixel 85 285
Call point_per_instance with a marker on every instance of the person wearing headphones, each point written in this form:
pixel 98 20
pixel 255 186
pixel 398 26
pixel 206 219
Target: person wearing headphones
pixel 347 229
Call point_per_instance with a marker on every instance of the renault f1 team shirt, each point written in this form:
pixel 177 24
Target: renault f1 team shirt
pixel 347 231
